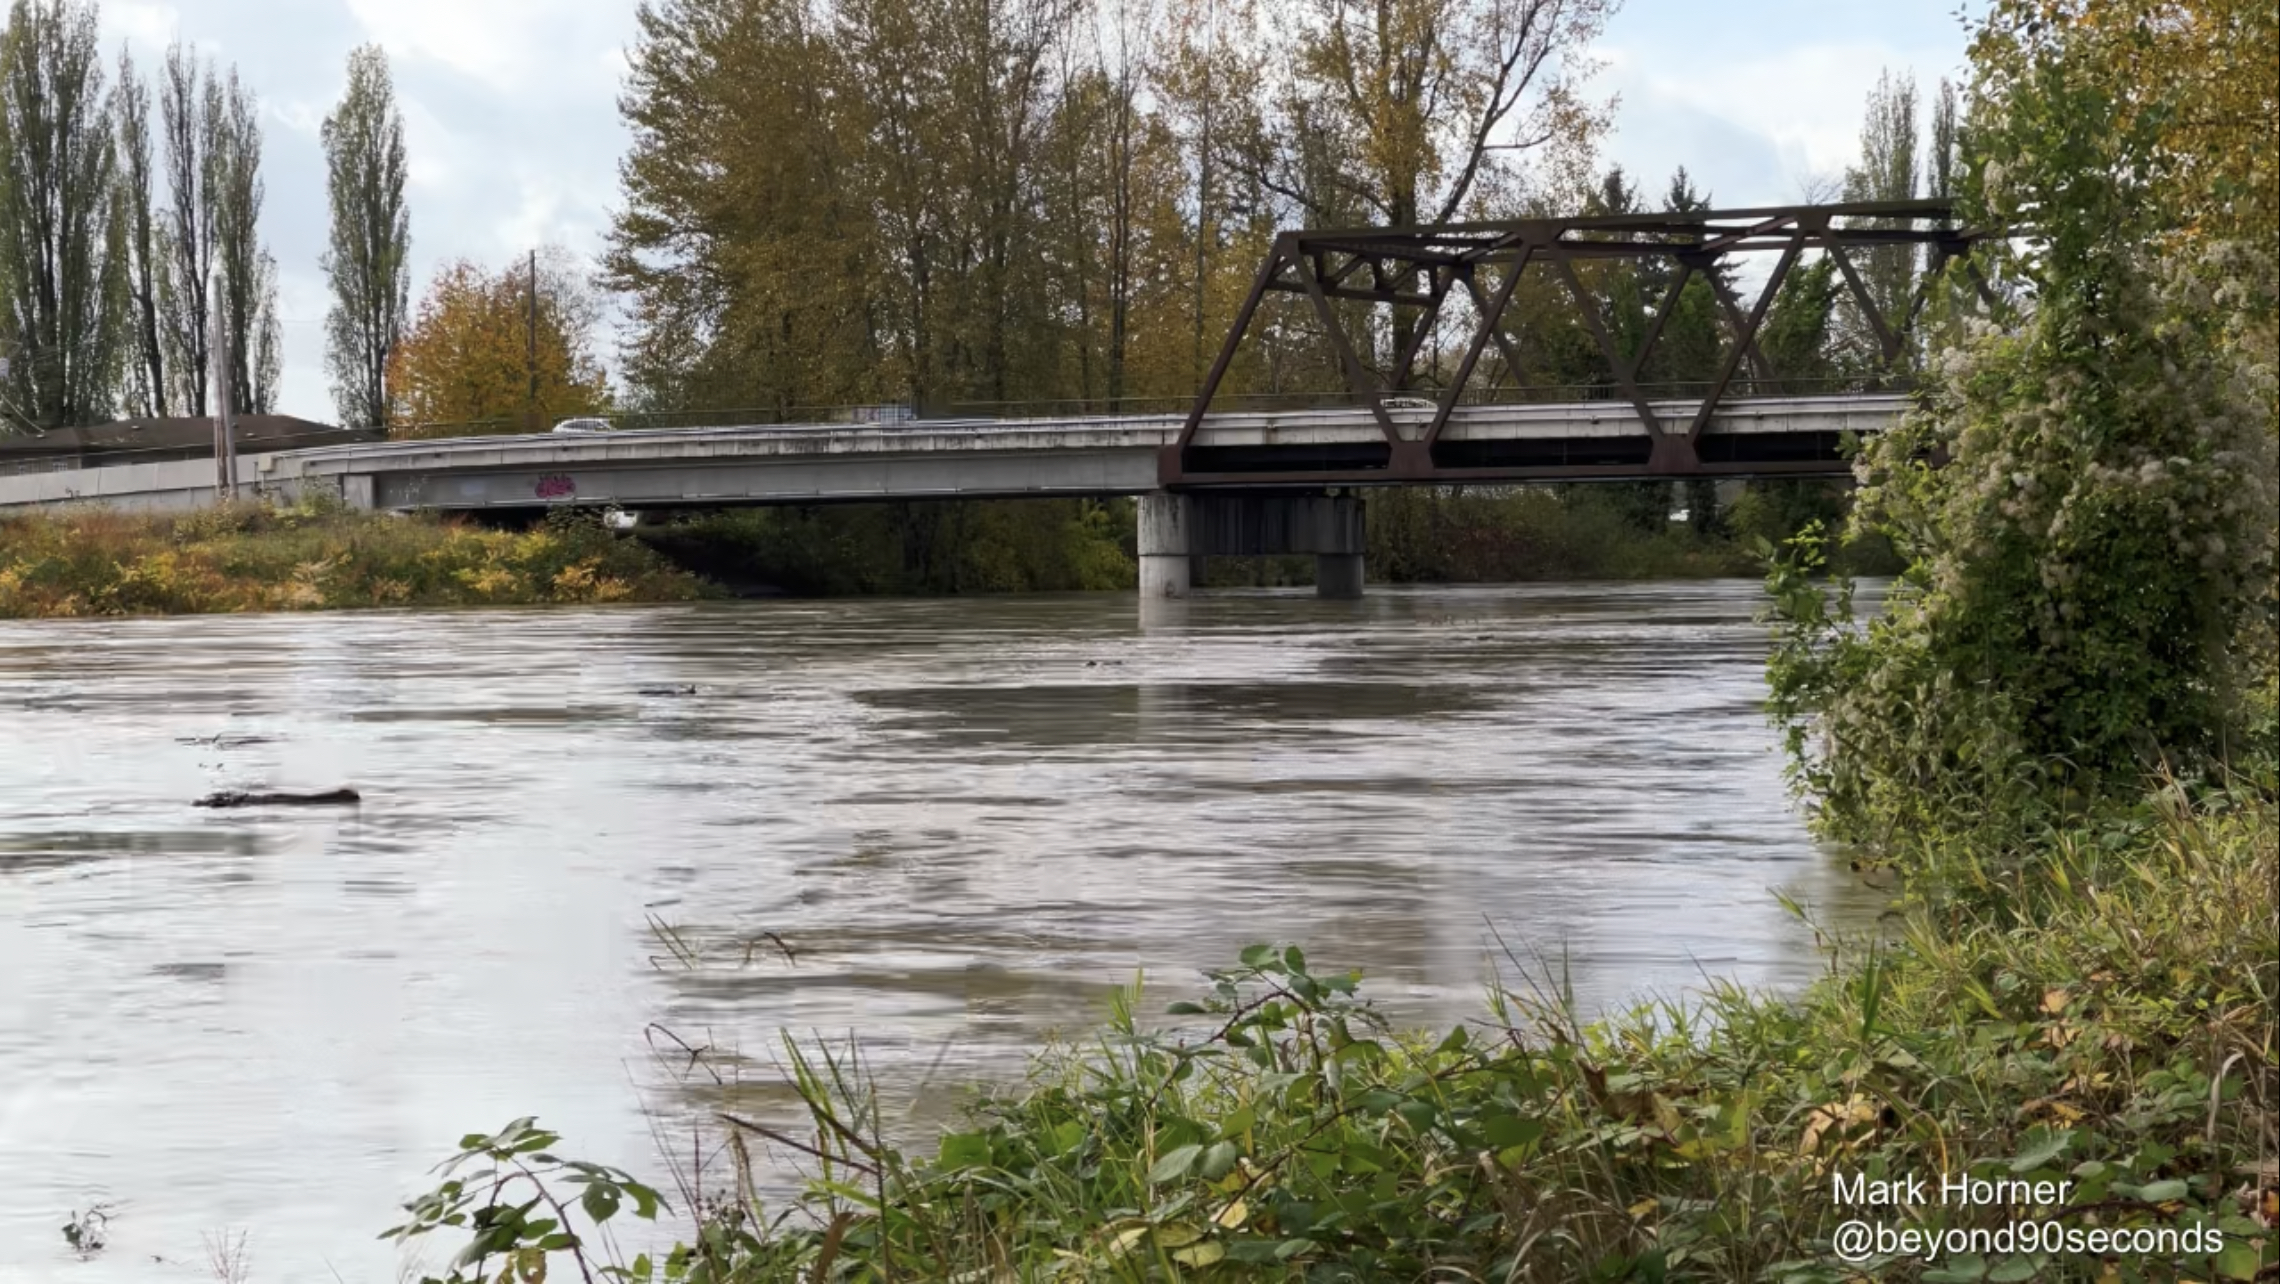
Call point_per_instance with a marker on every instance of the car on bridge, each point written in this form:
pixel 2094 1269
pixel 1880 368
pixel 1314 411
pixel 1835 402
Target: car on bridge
pixel 584 425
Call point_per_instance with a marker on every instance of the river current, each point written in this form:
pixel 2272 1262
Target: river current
pixel 950 827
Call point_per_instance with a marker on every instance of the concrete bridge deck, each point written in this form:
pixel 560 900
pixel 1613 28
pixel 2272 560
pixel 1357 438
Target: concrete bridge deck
pixel 937 459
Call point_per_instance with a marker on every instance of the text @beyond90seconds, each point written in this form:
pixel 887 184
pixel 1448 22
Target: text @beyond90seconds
pixel 1866 1239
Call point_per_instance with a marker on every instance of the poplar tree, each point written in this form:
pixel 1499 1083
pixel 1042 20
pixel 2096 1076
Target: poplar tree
pixel 367 264
pixel 62 256
pixel 145 385
pixel 186 125
pixel 249 271
pixel 1890 169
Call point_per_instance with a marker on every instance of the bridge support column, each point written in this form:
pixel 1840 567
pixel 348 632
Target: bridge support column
pixel 1338 575
pixel 1168 556
pixel 1177 530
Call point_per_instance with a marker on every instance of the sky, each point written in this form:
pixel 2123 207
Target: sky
pixel 513 133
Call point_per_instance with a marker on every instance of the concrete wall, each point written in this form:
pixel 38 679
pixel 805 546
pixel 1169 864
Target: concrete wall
pixel 172 486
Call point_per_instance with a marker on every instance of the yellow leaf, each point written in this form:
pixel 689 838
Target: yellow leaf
pixel 1177 1235
pixel 1201 1255
pixel 1835 1120
pixel 1124 1239
pixel 2054 1001
pixel 1642 1208
pixel 1233 1216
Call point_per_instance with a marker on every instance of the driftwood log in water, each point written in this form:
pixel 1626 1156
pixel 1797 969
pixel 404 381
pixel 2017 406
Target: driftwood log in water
pixel 236 798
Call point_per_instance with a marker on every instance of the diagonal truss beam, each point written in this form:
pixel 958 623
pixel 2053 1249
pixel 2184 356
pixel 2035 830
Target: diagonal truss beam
pixel 1491 325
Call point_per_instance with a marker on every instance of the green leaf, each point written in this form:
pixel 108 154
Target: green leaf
pixel 1417 1114
pixel 1183 1008
pixel 964 1150
pixel 2012 1269
pixel 1964 1268
pixel 2158 1192
pixel 600 1202
pixel 1254 955
pixel 1174 1165
pixel 2041 1148
pixel 1067 1136
pixel 1218 1159
pixel 2237 1261
pixel 646 1200
pixel 1506 1131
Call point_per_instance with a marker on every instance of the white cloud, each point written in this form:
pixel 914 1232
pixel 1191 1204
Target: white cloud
pixel 139 22
pixel 1754 129
pixel 506 44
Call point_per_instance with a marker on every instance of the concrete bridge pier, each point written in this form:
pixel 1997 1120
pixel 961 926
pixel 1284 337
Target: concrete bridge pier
pixel 1178 530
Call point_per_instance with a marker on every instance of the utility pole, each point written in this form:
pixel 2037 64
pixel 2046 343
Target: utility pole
pixel 532 359
pixel 1203 187
pixel 225 420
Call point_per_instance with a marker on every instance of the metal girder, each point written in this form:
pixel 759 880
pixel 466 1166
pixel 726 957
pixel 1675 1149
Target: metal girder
pixel 1379 267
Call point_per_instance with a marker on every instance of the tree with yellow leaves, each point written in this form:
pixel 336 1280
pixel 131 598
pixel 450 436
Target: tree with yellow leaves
pixel 468 359
pixel 2201 77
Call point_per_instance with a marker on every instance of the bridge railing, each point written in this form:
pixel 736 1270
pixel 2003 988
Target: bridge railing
pixel 893 416
pixel 1423 396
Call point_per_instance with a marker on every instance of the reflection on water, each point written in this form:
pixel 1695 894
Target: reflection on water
pixel 949 826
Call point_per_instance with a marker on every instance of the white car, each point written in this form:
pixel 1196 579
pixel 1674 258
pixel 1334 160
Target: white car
pixel 584 425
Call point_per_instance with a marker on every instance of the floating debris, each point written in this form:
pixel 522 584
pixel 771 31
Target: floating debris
pixel 238 798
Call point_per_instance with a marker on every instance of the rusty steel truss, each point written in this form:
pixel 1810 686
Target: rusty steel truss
pixel 1413 272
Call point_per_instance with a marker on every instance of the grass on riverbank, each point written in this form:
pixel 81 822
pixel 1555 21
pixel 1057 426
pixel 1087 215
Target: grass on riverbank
pixel 251 557
pixel 2093 1008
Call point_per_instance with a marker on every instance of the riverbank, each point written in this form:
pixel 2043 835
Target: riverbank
pixel 251 557
pixel 2088 1016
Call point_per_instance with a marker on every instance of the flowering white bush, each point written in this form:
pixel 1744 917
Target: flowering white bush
pixel 2086 499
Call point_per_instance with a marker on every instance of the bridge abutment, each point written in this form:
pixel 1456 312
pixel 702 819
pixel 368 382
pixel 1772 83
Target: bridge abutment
pixel 1178 530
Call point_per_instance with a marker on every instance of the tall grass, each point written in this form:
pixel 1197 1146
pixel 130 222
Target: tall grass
pixel 2095 1008
pixel 252 557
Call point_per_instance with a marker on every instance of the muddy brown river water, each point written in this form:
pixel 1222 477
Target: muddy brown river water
pixel 967 820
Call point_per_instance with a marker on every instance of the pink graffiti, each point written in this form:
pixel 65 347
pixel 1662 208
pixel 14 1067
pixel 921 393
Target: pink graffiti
pixel 555 486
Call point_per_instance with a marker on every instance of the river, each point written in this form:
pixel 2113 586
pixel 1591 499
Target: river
pixel 950 826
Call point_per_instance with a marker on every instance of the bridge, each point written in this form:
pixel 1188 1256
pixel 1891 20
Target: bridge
pixel 1216 481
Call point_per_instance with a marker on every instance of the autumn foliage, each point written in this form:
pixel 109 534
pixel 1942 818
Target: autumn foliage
pixel 465 363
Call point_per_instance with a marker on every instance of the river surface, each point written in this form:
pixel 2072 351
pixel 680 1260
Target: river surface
pixel 949 826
